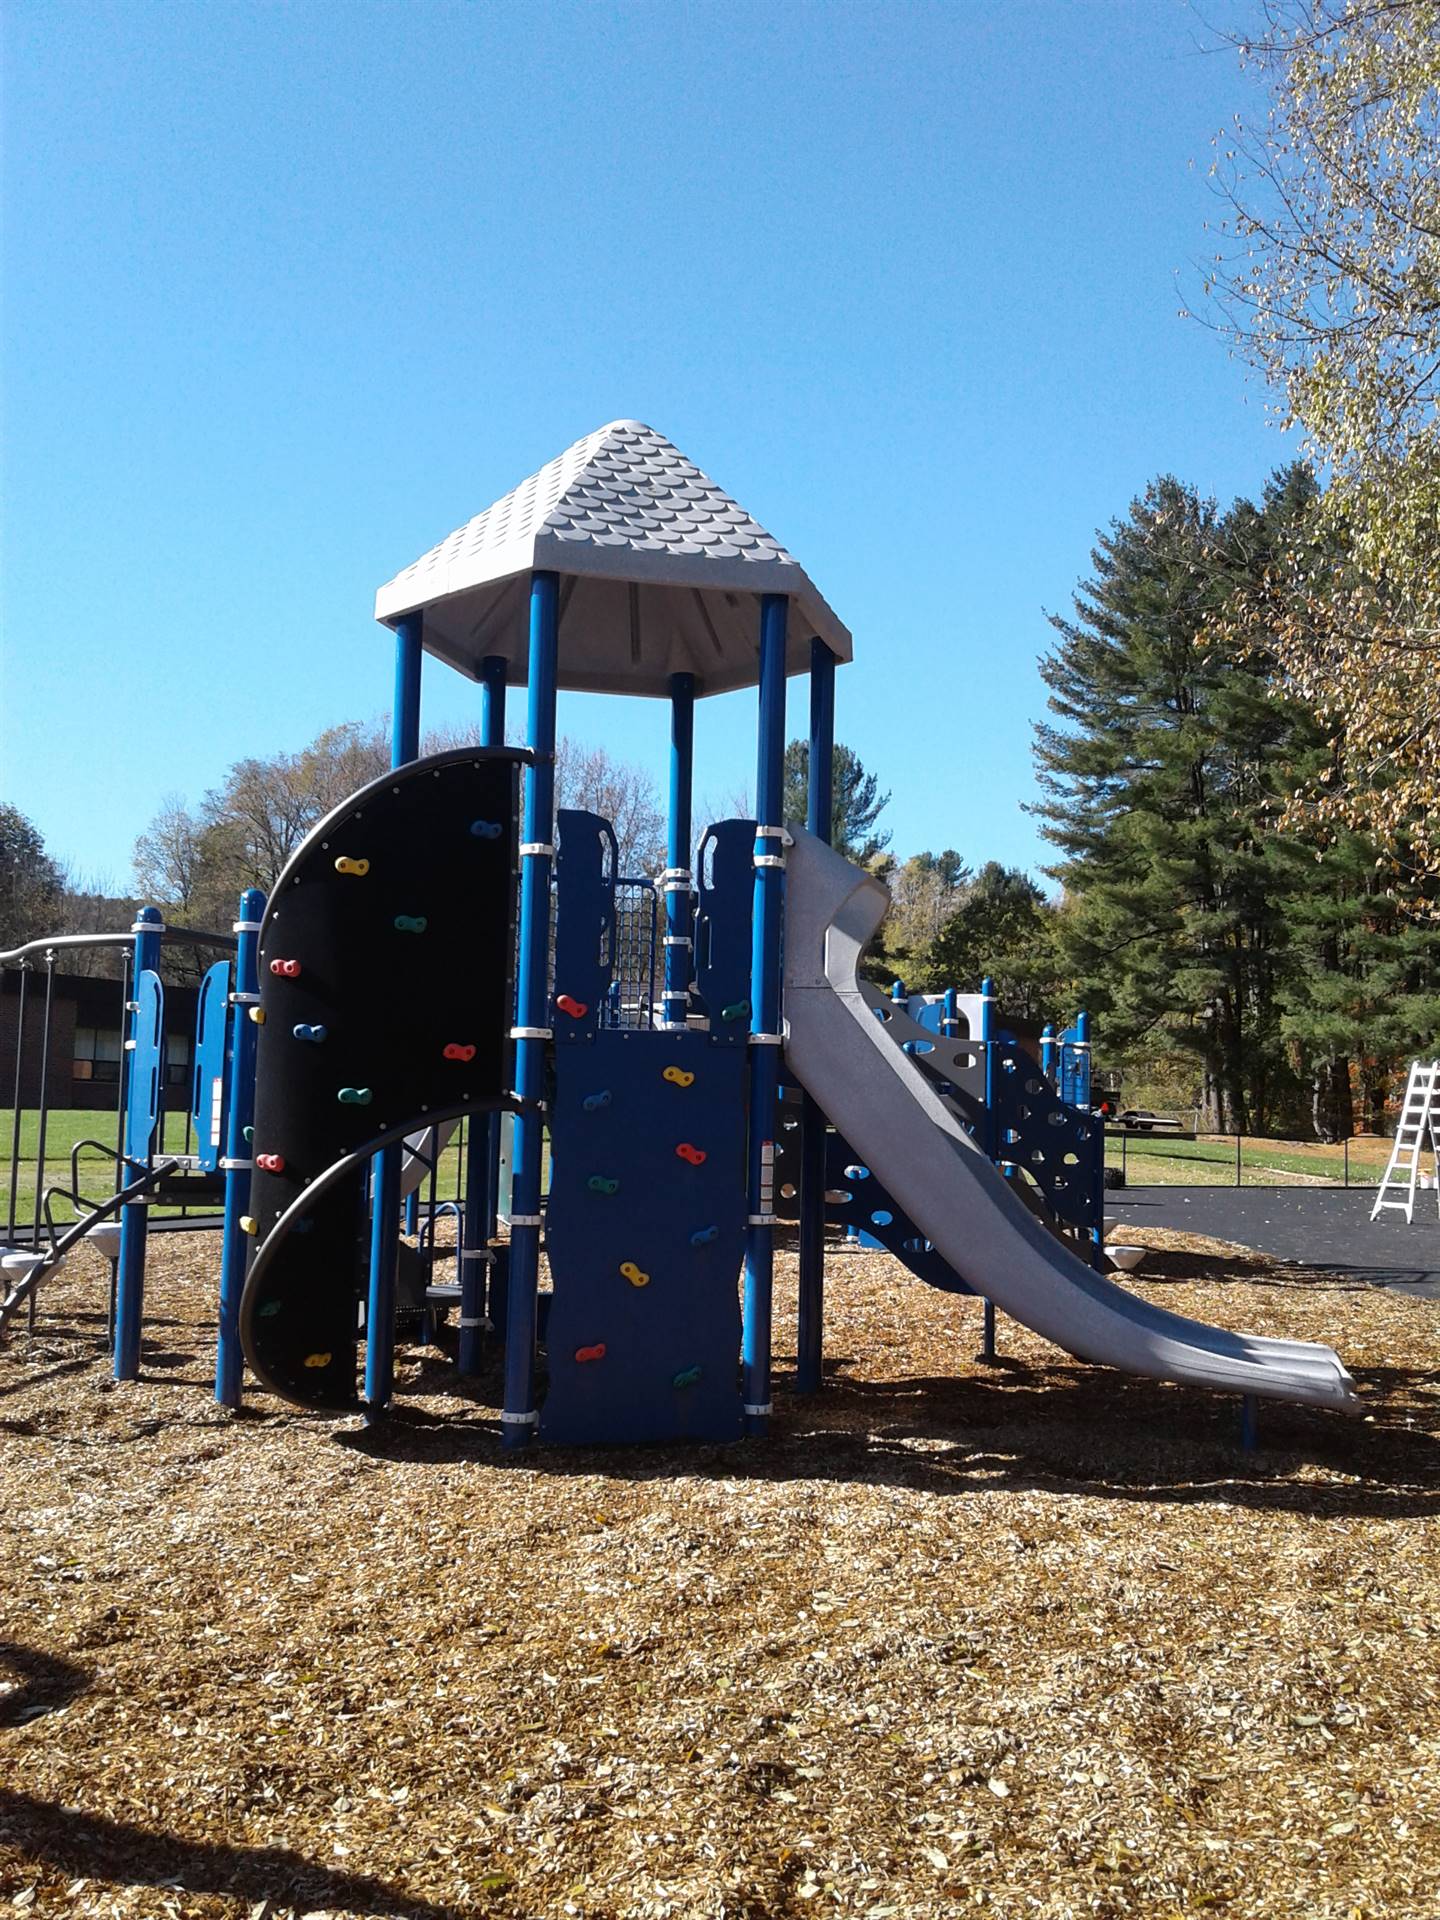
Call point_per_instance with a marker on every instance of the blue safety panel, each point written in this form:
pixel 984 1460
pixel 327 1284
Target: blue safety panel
pixel 584 922
pixel 726 881
pixel 144 1100
pixel 1074 1070
pixel 1057 1145
pixel 856 1198
pixel 645 1232
pixel 207 1089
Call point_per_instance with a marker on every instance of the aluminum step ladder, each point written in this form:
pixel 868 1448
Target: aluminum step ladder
pixel 1419 1119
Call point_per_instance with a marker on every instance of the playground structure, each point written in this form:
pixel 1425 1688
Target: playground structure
pixel 405 974
pixel 1419 1121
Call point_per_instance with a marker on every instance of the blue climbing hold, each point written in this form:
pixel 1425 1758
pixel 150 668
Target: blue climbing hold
pixel 594 1101
pixel 315 1035
pixel 486 829
pixel 703 1236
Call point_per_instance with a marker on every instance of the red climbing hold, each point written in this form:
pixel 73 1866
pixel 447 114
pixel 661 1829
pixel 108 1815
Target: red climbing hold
pixel 287 969
pixel 695 1155
pixel 582 1354
pixel 577 1009
pixel 270 1162
pixel 454 1051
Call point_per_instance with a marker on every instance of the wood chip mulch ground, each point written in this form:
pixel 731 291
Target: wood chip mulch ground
pixel 1035 1641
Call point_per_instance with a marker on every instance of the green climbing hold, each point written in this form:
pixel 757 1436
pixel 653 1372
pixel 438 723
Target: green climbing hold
pixel 354 1096
pixel 737 1010
pixel 687 1378
pixel 597 1183
pixel 410 923
pixel 269 1310
pixel 249 1134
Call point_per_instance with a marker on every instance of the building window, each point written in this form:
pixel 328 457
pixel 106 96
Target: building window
pixel 97 1055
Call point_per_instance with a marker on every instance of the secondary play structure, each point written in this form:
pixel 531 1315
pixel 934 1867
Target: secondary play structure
pixel 444 947
pixel 1418 1124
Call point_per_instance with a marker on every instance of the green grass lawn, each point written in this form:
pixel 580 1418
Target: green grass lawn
pixel 1151 1159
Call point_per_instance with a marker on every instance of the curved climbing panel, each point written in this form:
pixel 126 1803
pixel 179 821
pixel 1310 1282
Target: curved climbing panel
pixel 386 963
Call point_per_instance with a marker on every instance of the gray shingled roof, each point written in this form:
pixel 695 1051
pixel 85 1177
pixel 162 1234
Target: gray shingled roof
pixel 663 574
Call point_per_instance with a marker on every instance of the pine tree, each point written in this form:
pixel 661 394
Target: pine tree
pixel 856 800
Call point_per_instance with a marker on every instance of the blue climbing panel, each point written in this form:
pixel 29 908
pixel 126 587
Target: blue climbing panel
pixel 645 1234
pixel 208 1083
pixel 146 1096
pixel 1057 1145
pixel 726 879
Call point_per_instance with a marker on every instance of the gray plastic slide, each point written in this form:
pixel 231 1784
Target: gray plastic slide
pixel 887 1109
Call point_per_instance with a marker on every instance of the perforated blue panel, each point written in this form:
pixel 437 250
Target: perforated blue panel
pixel 645 1242
pixel 1057 1145
pixel 145 1098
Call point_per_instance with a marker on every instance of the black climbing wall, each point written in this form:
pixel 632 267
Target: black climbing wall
pixel 386 964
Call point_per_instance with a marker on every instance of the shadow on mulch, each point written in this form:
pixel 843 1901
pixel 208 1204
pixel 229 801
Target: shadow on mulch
pixel 1017 1427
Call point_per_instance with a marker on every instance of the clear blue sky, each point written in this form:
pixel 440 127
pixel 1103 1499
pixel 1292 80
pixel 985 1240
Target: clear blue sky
pixel 291 291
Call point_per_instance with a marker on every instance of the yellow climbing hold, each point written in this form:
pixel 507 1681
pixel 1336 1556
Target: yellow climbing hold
pixel 358 867
pixel 249 1224
pixel 678 1077
pixel 317 1359
pixel 257 1014
pixel 633 1274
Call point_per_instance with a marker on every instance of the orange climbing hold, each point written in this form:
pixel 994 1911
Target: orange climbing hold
pixel 317 1359
pixel 577 1009
pixel 695 1155
pixel 584 1354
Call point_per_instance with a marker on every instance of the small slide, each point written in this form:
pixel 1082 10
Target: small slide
pixel 886 1107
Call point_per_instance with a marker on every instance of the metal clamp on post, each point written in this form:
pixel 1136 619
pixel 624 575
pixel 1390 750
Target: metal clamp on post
pixel 474 1320
pixel 762 1219
pixel 235 1166
pixel 537 850
pixel 478 1253
pixel 532 1033
pixel 246 926
pixel 677 940
pixel 244 999
pixel 760 1413
pixel 520 1419
pixel 527 1220
pixel 772 833
pixel 766 1039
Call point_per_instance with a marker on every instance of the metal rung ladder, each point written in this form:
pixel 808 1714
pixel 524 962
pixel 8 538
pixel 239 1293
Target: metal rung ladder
pixel 1419 1118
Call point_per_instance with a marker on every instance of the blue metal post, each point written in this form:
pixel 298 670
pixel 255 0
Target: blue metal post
pixel 134 1215
pixel 810 1317
pixel 992 1132
pixel 1084 1092
pixel 1047 1052
pixel 950 1015
pixel 765 1033
pixel 385 1187
pixel 482 1132
pixel 679 897
pixel 240 1113
pixel 531 1031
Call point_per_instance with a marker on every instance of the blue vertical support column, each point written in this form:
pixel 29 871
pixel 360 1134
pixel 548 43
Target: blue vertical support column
pixel 950 1015
pixel 1048 1046
pixel 134 1217
pixel 678 880
pixel 239 1116
pixel 992 1136
pixel 385 1185
pixel 530 1032
pixel 765 1033
pixel 482 1132
pixel 810 1317
pixel 1085 1088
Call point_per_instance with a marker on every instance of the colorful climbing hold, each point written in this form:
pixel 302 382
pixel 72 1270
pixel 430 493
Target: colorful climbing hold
pixel 632 1273
pixel 687 1377
pixel 567 1003
pixel 585 1354
pixel 410 923
pixel 287 969
pixel 257 1014
pixel 695 1155
pixel 269 1310
pixel 737 1010
pixel 598 1183
pixel 678 1077
pixel 357 867
pixel 594 1101
pixel 249 1133
pixel 317 1359
pixel 315 1035
pixel 354 1096
pixel 457 1050
pixel 303 1224
pixel 486 829
pixel 703 1236
pixel 270 1162
pixel 249 1224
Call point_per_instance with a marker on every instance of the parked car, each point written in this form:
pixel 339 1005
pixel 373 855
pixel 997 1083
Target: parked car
pixel 1141 1120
